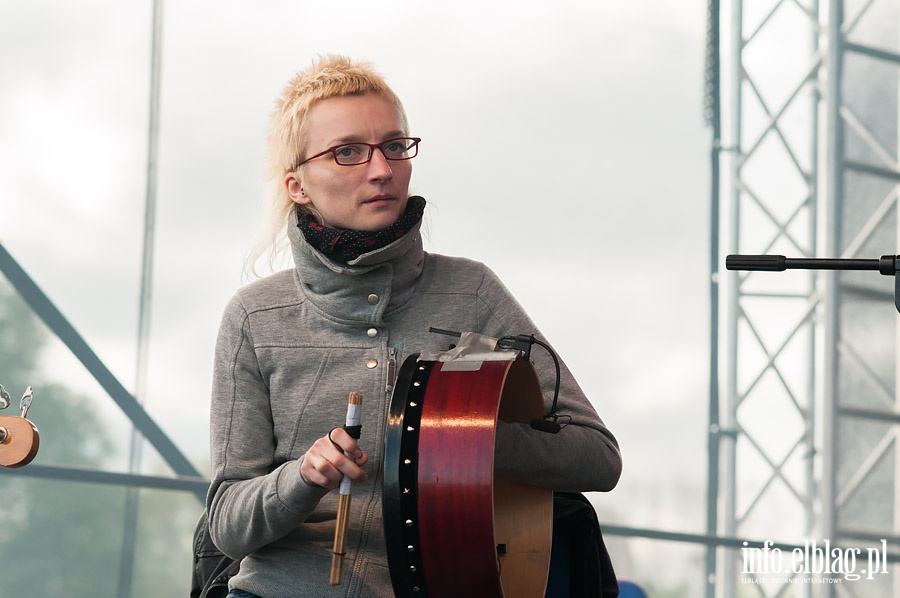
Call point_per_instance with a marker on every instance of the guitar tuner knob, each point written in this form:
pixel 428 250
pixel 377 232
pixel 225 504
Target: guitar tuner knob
pixel 26 401
pixel 4 398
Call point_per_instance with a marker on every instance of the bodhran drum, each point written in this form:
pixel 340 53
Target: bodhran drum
pixel 452 527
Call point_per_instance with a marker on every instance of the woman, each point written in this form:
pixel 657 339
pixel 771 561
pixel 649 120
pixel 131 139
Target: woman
pixel 361 297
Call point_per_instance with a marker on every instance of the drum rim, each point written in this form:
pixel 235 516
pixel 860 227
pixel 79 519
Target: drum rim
pixel 399 509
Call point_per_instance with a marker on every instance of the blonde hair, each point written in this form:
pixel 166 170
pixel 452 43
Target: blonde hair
pixel 328 76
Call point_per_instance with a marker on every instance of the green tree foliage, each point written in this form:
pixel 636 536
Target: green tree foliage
pixel 63 538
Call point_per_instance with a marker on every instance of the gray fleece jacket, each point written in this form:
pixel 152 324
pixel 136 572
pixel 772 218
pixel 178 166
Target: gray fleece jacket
pixel 290 349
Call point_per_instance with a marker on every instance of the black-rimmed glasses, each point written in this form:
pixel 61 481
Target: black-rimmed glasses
pixel 351 154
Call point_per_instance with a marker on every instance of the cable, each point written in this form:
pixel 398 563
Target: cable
pixel 524 343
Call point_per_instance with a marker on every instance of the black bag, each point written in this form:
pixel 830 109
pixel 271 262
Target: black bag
pixel 579 564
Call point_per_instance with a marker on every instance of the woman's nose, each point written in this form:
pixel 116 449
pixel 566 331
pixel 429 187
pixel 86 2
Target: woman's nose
pixel 379 166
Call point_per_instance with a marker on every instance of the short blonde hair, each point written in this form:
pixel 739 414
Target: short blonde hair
pixel 328 76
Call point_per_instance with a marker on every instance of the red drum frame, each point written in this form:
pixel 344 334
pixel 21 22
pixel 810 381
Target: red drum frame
pixel 453 529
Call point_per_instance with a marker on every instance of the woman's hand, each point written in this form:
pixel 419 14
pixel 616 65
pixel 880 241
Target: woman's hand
pixel 324 464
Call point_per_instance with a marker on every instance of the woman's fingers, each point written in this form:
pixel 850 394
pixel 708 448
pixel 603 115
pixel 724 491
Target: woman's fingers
pixel 324 464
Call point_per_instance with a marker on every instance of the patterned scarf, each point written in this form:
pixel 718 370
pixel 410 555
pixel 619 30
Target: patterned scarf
pixel 345 246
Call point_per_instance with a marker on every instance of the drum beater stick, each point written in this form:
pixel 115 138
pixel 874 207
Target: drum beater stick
pixel 354 408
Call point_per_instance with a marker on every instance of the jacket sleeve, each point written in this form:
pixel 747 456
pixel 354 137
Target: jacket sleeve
pixel 252 501
pixel 584 455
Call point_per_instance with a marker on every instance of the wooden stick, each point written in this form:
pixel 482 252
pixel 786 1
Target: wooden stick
pixel 354 407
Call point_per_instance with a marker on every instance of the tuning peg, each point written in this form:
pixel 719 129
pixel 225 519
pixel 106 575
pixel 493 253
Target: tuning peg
pixel 26 401
pixel 4 398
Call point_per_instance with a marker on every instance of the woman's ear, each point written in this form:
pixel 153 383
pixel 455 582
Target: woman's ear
pixel 295 188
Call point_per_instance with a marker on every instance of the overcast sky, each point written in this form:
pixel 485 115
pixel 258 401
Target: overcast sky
pixel 563 145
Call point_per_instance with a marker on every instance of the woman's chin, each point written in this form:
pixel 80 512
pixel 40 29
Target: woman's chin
pixel 381 219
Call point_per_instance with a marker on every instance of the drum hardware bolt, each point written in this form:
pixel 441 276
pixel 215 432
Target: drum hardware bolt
pixel 411 548
pixel 413 404
pixel 415 588
pixel 421 368
pixel 409 522
pixel 412 568
pixel 3 434
pixel 407 462
pixel 410 428
pixel 417 384
pixel 407 491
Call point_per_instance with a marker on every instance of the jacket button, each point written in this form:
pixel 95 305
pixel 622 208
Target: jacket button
pixel 372 332
pixel 372 363
pixel 373 298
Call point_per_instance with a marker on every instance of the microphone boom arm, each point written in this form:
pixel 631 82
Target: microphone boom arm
pixel 887 265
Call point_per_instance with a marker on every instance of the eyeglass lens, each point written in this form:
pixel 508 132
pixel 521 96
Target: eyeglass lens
pixel 360 153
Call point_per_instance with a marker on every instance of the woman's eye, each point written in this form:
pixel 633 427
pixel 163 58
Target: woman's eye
pixel 394 148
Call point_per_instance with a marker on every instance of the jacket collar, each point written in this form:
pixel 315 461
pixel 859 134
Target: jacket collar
pixel 345 292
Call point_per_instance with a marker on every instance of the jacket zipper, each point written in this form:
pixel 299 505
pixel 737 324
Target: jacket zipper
pixel 376 497
pixel 391 372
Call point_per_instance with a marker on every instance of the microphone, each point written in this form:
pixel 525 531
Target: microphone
pixel 763 263
pixel 523 342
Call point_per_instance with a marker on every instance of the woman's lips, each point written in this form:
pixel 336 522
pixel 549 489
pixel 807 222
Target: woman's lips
pixel 379 199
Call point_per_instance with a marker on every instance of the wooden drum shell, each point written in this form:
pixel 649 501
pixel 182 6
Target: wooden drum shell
pixel 451 527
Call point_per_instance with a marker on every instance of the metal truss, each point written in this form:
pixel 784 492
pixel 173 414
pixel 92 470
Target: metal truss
pixel 807 439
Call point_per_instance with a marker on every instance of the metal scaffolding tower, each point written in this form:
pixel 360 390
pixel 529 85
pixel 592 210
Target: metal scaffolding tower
pixel 805 446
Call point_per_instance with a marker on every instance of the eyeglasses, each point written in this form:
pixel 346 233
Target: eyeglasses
pixel 351 154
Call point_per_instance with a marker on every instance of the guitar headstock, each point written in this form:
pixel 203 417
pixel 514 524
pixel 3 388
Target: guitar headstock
pixel 21 441
pixel 19 438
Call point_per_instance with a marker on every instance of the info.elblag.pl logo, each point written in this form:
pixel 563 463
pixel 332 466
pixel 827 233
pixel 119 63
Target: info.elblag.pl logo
pixel 812 563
